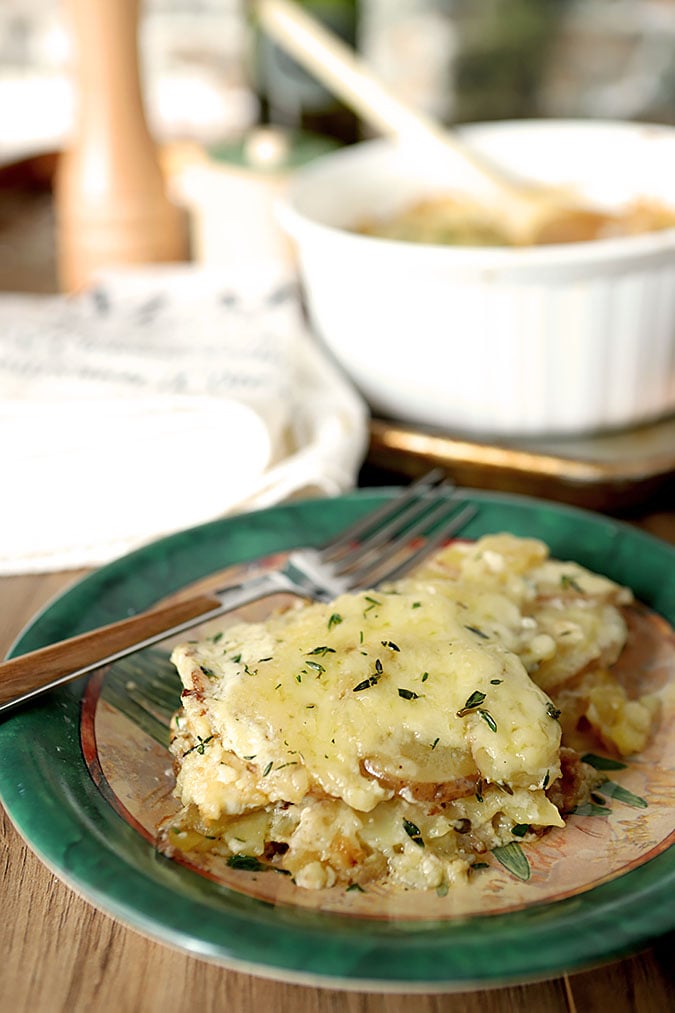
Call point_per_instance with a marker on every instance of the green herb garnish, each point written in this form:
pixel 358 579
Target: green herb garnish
pixel 407 694
pixel 372 680
pixel 479 633
pixel 413 832
pixel 247 862
pixel 567 582
pixel 334 620
pixel 200 746
pixel 488 719
pixel 474 701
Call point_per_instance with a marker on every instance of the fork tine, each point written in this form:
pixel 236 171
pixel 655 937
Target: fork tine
pixel 390 509
pixel 372 573
pixel 453 524
pixel 413 518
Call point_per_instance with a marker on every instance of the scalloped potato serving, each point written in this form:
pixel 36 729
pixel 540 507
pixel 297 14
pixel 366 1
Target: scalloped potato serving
pixel 453 221
pixel 398 734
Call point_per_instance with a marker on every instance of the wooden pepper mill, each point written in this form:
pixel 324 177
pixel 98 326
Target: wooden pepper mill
pixel 111 203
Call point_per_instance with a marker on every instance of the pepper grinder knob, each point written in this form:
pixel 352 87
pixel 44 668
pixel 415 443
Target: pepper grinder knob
pixel 111 203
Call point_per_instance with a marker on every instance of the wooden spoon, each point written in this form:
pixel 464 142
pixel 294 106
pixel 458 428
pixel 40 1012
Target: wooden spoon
pixel 523 208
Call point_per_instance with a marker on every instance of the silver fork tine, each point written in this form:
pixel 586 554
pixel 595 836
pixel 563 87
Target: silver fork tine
pixel 455 523
pixel 372 572
pixel 414 518
pixel 392 508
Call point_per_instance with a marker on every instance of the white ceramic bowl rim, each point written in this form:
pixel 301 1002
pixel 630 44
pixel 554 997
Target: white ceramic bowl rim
pixel 299 223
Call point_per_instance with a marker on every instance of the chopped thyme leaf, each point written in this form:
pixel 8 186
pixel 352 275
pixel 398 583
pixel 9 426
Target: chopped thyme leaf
pixel 416 605
pixel 322 651
pixel 290 763
pixel 413 832
pixel 488 719
pixel 236 658
pixel 298 677
pixel 496 682
pixel 334 620
pixel 520 829
pixel 479 633
pixel 354 888
pixel 199 746
pixel 372 680
pixel 217 637
pixel 260 660
pixel 547 778
pixel 267 769
pixel 278 686
pixel 391 645
pixel 553 711
pixel 208 672
pixel 251 757
pixel 435 743
pixel 408 694
pixel 247 862
pixel 378 666
pixel 475 700
pixel 425 676
pixel 479 790
pixel 568 582
pixel 316 666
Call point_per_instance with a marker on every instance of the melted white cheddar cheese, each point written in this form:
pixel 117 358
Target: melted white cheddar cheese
pixel 394 733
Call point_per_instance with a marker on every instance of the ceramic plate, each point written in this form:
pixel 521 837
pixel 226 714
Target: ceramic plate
pixel 85 776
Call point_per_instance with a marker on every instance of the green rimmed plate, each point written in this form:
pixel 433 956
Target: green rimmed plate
pixel 83 773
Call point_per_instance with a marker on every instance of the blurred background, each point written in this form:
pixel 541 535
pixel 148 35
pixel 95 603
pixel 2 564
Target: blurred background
pixel 208 79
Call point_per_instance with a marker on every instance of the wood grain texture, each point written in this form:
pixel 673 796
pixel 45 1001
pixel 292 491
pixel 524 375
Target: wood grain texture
pixel 60 954
pixel 30 672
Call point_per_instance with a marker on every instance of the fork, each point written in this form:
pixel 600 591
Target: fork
pixel 381 546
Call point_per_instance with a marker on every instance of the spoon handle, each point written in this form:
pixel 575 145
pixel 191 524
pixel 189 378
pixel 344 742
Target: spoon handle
pixel 336 65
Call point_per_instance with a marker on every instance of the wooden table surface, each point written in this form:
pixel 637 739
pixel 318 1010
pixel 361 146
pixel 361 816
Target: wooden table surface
pixel 57 952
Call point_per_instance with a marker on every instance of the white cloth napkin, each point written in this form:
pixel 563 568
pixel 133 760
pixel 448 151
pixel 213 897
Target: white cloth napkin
pixel 159 399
